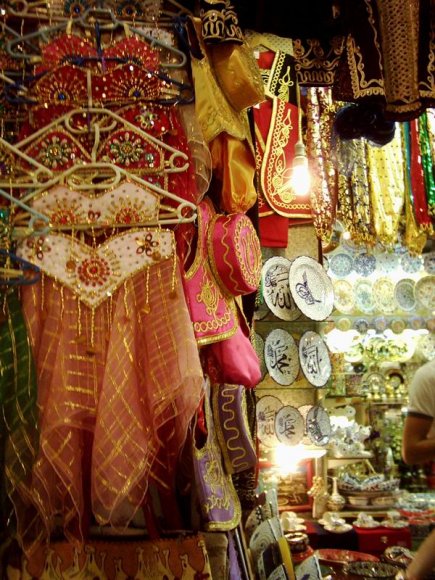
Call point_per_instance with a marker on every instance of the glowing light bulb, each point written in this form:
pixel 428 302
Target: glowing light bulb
pixel 300 179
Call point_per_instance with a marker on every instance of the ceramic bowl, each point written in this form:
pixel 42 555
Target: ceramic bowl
pixel 358 501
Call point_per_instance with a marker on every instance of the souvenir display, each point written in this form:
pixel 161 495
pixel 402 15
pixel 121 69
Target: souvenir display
pixel 314 358
pixel 281 356
pixel 276 288
pixel 341 264
pixel 311 288
pixel 289 425
pixel 404 293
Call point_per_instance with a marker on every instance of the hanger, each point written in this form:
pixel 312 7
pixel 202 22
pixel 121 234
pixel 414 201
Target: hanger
pixel 41 176
pixel 45 11
pixel 106 21
pixel 38 223
pixel 26 273
pixel 183 212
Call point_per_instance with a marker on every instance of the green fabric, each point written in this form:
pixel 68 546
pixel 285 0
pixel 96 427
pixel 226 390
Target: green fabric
pixel 427 162
pixel 18 400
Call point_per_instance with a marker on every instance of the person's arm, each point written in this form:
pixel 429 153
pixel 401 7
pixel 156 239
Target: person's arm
pixel 424 559
pixel 416 448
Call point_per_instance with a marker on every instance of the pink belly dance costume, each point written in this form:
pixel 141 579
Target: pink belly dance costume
pixel 118 370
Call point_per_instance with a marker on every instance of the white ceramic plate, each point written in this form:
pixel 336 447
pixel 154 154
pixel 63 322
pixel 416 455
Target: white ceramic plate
pixel 281 356
pixel 266 409
pixel 258 344
pixel 425 292
pixel 276 290
pixel 341 264
pixel 363 292
pixel 367 525
pixel 318 425
pixel 289 425
pixel 404 293
pixel 426 346
pixel 411 264
pixel 387 262
pixel 383 295
pixel 429 262
pixel 339 529
pixel 311 288
pixel 314 358
pixel 344 300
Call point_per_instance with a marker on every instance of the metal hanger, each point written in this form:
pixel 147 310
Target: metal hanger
pixel 106 21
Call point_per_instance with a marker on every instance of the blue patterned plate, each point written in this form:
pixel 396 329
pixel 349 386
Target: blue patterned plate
pixel 341 265
pixel 429 262
pixel 364 264
pixel 404 294
pixel 363 291
pixel 411 264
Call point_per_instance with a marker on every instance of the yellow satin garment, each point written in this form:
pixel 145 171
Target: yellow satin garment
pixel 234 166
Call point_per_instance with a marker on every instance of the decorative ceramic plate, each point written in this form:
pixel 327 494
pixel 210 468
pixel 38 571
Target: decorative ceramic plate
pixel 258 344
pixel 342 529
pixel 314 358
pixel 398 524
pixel 289 425
pixel 371 569
pixel 363 291
pixel 318 425
pixel 364 264
pixel 281 356
pixel 383 295
pixel 404 293
pixel 426 346
pixel 411 264
pixel 361 325
pixel 266 409
pixel 276 290
pixel 380 323
pixel 367 525
pixel 311 288
pixel 397 325
pixel 265 534
pixel 344 300
pixel 387 262
pixel 429 262
pixel 344 556
pixel 341 264
pixel 425 292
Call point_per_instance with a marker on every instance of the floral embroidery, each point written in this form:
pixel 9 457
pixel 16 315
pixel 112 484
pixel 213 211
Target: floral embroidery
pixel 147 245
pixel 126 149
pixel 94 271
pixel 209 295
pixel 147 119
pixel 55 151
pixel 39 246
pixel 75 7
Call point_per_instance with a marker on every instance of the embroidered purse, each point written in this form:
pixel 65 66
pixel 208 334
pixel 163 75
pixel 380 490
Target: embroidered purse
pixel 232 428
pixel 219 503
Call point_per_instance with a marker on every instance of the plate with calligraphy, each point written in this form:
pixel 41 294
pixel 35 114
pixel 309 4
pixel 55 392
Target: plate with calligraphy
pixel 276 289
pixel 281 356
pixel 265 411
pixel 311 288
pixel 314 358
pixel 318 425
pixel 289 425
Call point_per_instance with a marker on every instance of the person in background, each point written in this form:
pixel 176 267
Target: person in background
pixel 418 443
pixel 418 446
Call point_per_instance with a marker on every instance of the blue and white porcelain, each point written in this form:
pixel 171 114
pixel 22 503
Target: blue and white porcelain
pixel 364 264
pixel 341 264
